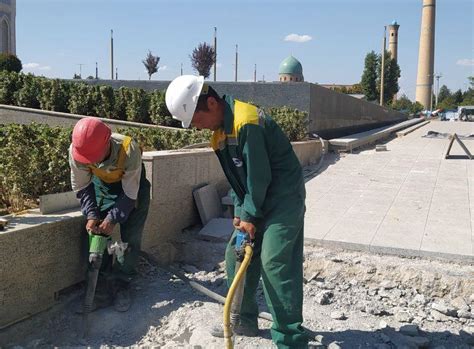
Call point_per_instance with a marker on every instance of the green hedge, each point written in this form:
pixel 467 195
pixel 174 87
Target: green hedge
pixel 34 160
pixel 130 104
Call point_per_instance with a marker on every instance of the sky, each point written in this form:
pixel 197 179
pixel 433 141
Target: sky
pixel 329 37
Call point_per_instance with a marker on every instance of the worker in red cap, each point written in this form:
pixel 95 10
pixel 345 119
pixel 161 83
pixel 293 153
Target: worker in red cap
pixel 109 179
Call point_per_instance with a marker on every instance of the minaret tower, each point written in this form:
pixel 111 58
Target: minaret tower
pixel 424 79
pixel 393 40
pixel 393 43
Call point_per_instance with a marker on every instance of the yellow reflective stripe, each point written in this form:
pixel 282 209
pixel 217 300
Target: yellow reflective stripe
pixel 112 176
pixel 244 114
pixel 123 152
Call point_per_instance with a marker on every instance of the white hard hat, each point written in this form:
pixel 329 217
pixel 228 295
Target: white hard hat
pixel 182 96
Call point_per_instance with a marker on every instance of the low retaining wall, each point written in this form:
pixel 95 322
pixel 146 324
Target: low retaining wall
pixel 330 113
pixel 42 253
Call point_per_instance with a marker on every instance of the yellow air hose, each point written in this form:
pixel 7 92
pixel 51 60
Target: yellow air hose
pixel 230 296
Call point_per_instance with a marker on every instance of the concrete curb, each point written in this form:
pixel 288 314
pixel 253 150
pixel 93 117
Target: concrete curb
pixel 411 129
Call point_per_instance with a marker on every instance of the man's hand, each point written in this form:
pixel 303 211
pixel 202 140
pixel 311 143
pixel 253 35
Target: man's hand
pixel 106 227
pixel 91 225
pixel 236 222
pixel 247 227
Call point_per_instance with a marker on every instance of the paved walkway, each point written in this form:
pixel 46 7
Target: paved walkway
pixel 408 200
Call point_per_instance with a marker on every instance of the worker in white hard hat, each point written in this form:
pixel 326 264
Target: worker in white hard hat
pixel 269 202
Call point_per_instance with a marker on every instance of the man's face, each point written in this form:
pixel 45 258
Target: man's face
pixel 212 119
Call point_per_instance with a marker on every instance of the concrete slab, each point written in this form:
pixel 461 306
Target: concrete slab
pixel 58 202
pixel 351 142
pixel 408 200
pixel 208 203
pixel 217 229
pixel 412 128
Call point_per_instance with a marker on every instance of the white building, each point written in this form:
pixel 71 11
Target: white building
pixel 7 26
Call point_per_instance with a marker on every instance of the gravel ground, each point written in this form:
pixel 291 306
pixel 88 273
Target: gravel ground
pixel 351 300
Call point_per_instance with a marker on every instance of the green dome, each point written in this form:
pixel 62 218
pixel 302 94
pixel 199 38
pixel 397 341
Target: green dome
pixel 290 65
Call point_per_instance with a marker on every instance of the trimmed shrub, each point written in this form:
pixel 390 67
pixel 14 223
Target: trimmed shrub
pixel 9 83
pixel 159 113
pixel 33 162
pixel 293 122
pixel 105 107
pixel 120 105
pixel 54 95
pixel 28 94
pixel 137 106
pixel 10 63
pixel 80 101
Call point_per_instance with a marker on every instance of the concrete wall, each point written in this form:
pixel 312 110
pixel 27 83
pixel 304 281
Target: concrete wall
pixel 331 114
pixel 18 115
pixel 42 253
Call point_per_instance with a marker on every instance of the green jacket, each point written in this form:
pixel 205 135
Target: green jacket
pixel 258 161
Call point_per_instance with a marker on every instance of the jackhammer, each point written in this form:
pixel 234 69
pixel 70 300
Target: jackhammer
pixel 98 244
pixel 233 301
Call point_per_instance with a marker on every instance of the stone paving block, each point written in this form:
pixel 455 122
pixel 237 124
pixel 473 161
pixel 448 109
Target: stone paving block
pixel 350 230
pixel 208 203
pixel 412 187
pixel 217 229
pixel 58 202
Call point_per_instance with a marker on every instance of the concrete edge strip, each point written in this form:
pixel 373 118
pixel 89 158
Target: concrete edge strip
pixel 116 122
pixel 411 129
pixel 56 202
pixel 346 143
pixel 396 251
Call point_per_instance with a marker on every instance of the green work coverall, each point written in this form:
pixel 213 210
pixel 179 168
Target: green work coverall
pixel 268 190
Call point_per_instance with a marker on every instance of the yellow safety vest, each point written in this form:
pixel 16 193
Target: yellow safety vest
pixel 113 176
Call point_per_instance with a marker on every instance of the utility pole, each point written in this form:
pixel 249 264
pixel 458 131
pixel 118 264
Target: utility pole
pixel 382 66
pixel 111 54
pixel 236 60
pixel 80 69
pixel 437 76
pixel 215 53
pixel 181 68
pixel 96 71
pixel 431 91
pixel 255 74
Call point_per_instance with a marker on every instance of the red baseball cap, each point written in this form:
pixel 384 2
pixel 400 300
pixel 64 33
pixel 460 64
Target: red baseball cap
pixel 90 140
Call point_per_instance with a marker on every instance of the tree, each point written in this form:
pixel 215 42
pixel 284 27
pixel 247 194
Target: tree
pixel 10 62
pixel 202 59
pixel 391 75
pixel 403 103
pixel 458 97
pixel 416 108
pixel 76 76
pixel 447 103
pixel 468 96
pixel 151 64
pixel 369 77
pixel 90 77
pixel 443 93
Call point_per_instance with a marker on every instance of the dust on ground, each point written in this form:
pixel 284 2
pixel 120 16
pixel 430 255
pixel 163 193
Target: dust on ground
pixel 351 300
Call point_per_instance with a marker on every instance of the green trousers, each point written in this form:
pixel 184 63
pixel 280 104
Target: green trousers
pixel 130 231
pixel 278 259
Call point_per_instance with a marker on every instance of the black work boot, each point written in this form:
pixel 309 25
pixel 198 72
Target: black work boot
pixel 240 330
